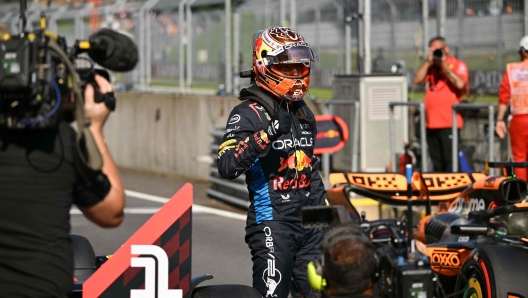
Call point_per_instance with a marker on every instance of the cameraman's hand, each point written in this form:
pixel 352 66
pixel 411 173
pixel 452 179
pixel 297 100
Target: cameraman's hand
pixel 98 112
pixel 430 58
pixel 279 124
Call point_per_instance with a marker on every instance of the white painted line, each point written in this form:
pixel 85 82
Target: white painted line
pixel 144 196
pixel 208 210
pixel 198 209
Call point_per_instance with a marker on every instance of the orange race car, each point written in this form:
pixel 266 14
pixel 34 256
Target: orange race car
pixel 476 241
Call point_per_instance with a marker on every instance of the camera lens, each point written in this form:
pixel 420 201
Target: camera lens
pixel 437 54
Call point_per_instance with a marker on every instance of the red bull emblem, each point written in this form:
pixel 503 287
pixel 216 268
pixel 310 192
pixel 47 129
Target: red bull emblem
pixel 299 160
pixel 264 137
pixel 241 147
pixel 330 134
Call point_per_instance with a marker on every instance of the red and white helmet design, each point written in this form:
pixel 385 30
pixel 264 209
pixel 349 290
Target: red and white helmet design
pixel 281 62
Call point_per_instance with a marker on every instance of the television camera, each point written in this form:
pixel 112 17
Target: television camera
pixel 401 271
pixel 38 69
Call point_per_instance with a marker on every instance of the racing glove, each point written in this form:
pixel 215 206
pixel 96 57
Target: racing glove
pixel 279 124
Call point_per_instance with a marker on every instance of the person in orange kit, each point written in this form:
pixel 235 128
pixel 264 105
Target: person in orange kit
pixel 514 88
pixel 446 78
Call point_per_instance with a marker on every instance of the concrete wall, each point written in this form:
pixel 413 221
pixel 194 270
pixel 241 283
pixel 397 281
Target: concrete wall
pixel 166 133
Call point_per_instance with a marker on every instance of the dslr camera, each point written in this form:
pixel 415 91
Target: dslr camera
pixel 38 69
pixel 401 272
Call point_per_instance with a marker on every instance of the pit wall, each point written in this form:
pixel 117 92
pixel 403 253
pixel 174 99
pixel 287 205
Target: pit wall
pixel 166 133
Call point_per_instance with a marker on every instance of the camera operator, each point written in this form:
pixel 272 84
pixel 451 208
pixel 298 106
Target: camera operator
pixel 446 79
pixel 39 182
pixel 349 262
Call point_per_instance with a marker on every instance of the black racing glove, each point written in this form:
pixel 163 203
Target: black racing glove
pixel 279 124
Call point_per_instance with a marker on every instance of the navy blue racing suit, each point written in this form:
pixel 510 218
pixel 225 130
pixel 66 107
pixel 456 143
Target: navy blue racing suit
pixel 281 177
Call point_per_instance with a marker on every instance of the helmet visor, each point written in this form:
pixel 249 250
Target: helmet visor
pixel 294 54
pixel 291 70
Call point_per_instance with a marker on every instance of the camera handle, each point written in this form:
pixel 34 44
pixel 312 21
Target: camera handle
pixel 108 98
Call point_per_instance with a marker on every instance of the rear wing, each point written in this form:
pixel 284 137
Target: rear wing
pixel 391 188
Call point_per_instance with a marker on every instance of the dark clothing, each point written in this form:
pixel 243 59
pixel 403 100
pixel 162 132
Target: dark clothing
pixel 282 177
pixel 351 296
pixel 440 143
pixel 277 248
pixel 38 185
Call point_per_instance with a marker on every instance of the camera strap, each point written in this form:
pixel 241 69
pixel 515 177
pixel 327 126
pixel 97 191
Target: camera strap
pixel 89 161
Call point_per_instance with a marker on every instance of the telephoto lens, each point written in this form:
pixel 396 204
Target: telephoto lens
pixel 437 54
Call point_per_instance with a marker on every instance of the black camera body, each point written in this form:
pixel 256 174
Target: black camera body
pixel 400 272
pixel 37 69
pixel 31 78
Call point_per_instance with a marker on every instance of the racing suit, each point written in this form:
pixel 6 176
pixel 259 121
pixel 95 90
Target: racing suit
pixel 281 177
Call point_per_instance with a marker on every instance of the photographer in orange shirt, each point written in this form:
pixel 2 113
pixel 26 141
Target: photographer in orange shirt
pixel 446 78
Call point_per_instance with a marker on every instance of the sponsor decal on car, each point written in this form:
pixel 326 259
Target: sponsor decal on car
pixel 445 259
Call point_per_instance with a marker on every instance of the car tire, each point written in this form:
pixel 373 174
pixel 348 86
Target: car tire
pixel 83 256
pixel 471 282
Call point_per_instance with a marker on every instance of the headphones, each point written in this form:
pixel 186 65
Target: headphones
pixel 315 267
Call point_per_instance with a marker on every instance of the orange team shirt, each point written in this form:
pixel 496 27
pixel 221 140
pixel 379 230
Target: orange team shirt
pixel 505 87
pixel 504 90
pixel 441 95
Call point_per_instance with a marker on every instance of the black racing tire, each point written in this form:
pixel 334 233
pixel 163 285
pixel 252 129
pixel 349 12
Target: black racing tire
pixel 499 269
pixel 225 291
pixel 83 256
pixel 471 283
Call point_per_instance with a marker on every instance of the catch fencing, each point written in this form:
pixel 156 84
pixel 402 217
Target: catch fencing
pixel 184 44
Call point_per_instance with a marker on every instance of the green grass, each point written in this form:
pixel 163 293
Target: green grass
pixel 418 96
pixel 171 82
pixel 318 93
pixel 321 93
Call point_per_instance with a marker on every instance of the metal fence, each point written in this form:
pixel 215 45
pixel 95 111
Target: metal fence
pixel 184 44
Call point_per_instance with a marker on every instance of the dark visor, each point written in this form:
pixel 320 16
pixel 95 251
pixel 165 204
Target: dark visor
pixel 298 54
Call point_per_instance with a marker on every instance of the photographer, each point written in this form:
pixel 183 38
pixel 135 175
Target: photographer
pixel 39 182
pixel 446 79
pixel 349 262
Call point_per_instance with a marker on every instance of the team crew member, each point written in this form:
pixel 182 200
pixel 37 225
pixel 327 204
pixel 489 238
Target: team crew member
pixel 514 89
pixel 349 262
pixel 39 182
pixel 270 137
pixel 446 79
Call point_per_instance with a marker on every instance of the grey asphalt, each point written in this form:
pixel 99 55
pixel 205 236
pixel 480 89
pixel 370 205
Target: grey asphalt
pixel 218 245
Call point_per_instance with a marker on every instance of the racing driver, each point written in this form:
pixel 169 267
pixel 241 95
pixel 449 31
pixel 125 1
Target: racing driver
pixel 270 137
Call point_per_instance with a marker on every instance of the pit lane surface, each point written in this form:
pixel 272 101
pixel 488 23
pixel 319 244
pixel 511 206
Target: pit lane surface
pixel 218 245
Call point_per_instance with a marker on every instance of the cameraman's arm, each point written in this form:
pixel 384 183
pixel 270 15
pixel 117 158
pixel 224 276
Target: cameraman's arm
pixel 421 73
pixel 109 211
pixel 457 77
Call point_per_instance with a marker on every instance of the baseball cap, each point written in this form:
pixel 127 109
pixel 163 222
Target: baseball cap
pixel 524 43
